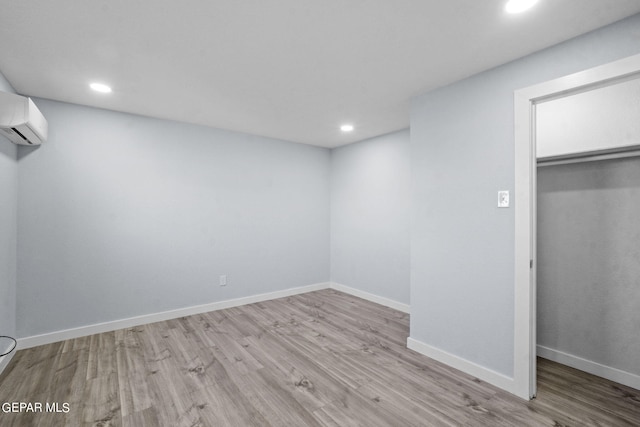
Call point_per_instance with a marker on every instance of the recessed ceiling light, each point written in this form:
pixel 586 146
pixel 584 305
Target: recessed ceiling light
pixel 100 87
pixel 346 128
pixel 518 6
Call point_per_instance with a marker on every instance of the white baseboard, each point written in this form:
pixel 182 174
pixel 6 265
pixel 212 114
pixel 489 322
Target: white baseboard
pixel 370 297
pixel 98 328
pixel 485 374
pixel 613 374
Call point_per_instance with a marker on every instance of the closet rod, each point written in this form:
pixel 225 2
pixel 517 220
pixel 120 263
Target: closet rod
pixel 589 157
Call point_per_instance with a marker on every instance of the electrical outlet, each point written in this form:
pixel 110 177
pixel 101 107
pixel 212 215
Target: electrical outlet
pixel 223 280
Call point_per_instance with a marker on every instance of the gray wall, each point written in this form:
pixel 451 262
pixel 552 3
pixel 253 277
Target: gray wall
pixel 462 277
pixel 589 261
pixel 8 236
pixel 122 215
pixel 370 216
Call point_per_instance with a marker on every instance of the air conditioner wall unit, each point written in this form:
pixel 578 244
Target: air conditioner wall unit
pixel 21 121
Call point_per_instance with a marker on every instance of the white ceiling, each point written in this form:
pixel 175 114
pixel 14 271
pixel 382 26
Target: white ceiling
pixel 287 69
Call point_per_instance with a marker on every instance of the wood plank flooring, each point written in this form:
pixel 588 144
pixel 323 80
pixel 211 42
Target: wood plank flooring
pixel 320 359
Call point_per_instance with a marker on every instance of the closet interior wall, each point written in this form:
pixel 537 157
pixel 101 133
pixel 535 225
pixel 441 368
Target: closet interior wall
pixel 588 233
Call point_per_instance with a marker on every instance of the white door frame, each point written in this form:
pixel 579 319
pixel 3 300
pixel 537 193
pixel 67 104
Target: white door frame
pixel 525 101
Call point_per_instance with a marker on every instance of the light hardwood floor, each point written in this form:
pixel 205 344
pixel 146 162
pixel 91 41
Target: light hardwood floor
pixel 320 359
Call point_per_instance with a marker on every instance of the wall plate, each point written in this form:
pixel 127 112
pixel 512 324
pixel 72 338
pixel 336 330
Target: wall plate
pixel 503 199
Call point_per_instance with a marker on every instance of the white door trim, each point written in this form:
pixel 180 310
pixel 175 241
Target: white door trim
pixel 525 101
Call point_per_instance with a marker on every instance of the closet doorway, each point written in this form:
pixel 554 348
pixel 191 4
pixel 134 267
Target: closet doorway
pixel 534 143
